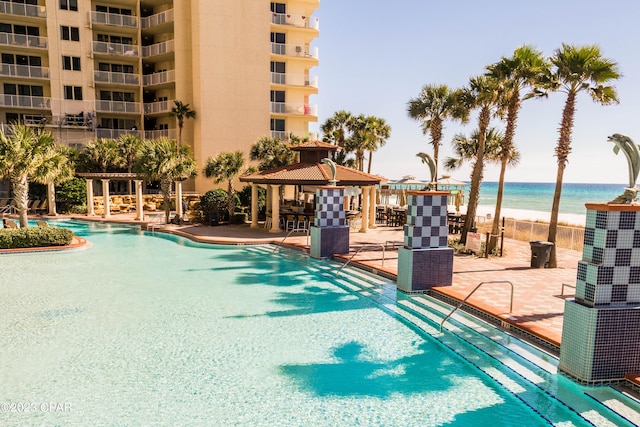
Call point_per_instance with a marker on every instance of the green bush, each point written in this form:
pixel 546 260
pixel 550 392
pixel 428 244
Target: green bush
pixel 71 195
pixel 239 218
pixel 245 199
pixel 34 237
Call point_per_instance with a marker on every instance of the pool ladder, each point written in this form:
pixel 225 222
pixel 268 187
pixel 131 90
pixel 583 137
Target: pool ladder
pixel 471 293
pixel 293 230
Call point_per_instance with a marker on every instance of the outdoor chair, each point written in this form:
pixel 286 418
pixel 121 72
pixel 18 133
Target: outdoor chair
pixel 9 223
pixel 42 223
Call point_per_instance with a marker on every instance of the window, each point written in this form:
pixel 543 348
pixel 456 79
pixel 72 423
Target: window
pixel 71 63
pixel 69 5
pixel 73 92
pixel 277 96
pixel 278 8
pixel 70 33
pixel 23 90
pixel 277 125
pixel 278 67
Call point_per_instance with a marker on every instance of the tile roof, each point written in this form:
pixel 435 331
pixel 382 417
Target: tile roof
pixel 312 174
pixel 314 146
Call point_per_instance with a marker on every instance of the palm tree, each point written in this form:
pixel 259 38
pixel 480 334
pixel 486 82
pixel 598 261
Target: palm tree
pixel 271 153
pixel 483 93
pixel 29 155
pixel 163 160
pixel 226 166
pixel 336 131
pixel 466 148
pixel 577 69
pixel 434 105
pixel 129 147
pixel 526 68
pixel 104 153
pixel 181 112
pixel 57 169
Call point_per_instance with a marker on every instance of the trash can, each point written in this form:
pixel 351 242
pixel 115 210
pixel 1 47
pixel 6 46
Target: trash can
pixel 540 252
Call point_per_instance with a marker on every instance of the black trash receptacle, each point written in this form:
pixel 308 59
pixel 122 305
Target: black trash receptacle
pixel 540 252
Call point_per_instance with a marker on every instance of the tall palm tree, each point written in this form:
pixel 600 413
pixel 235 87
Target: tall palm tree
pixel 336 131
pixel 526 68
pixel 28 155
pixel 577 69
pixel 466 148
pixel 483 93
pixel 226 166
pixel 181 111
pixel 58 169
pixel 271 153
pixel 103 153
pixel 368 133
pixel 129 147
pixel 163 160
pixel 434 105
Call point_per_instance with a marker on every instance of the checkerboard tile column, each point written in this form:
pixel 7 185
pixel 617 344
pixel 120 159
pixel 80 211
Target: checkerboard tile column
pixel 601 327
pixel 329 232
pixel 425 260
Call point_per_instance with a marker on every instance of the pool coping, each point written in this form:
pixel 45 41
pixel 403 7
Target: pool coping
pixel 77 243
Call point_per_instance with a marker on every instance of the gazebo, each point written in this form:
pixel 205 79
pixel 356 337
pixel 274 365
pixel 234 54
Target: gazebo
pixel 309 173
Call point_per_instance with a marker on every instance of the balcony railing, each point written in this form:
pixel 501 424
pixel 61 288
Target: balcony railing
pixel 294 50
pixel 297 109
pixel 162 133
pixel 295 20
pixel 26 71
pixel 158 49
pixel 113 19
pixel 157 107
pixel 115 48
pixel 294 80
pixel 11 8
pixel 115 133
pixel 22 101
pixel 11 39
pixel 282 135
pixel 159 78
pixel 116 78
pixel 157 19
pixel 118 107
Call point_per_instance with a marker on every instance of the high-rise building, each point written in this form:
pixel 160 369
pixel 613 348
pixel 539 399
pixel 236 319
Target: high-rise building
pixel 88 69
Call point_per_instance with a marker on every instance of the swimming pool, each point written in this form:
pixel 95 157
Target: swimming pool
pixel 145 329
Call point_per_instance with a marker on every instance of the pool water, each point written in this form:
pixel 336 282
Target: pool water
pixel 151 329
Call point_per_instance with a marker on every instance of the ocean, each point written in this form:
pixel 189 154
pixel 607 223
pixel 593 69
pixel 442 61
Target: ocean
pixel 538 196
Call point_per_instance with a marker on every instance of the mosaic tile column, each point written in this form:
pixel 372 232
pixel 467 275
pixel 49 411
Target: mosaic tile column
pixel 329 232
pixel 425 260
pixel 601 327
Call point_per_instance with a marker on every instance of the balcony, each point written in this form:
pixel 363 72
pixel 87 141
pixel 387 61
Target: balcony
pixel 159 78
pixel 158 49
pixel 118 107
pixel 157 107
pixel 282 135
pixel 295 20
pixel 22 40
pixel 294 50
pixel 116 78
pixel 22 101
pixel 302 80
pixel 162 133
pixel 117 49
pixel 157 19
pixel 115 133
pixel 294 109
pixel 113 19
pixel 24 71
pixel 29 10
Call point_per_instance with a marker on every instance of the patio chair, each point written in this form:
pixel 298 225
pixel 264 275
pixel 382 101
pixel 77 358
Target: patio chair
pixel 34 205
pixel 9 223
pixel 42 223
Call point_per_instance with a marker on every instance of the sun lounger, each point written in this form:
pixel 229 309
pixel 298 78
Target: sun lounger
pixel 42 223
pixel 9 223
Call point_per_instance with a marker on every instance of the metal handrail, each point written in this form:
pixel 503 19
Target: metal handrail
pixel 293 230
pixel 471 293
pixel 155 220
pixel 358 251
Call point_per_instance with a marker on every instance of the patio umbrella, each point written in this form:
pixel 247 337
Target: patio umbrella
pixel 458 201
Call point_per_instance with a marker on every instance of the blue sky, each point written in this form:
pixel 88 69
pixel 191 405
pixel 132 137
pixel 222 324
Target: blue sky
pixel 375 56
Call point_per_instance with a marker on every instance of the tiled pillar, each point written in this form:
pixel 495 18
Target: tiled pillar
pixel 601 326
pixel 329 232
pixel 425 260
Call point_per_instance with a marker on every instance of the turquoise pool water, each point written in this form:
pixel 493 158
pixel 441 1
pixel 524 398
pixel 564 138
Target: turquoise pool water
pixel 145 329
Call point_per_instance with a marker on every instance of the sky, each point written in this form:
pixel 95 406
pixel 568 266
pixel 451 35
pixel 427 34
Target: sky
pixel 375 56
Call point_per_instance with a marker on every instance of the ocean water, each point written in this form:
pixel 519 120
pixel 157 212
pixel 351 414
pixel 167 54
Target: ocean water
pixel 538 196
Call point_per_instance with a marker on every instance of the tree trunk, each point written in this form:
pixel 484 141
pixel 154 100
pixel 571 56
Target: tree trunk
pixel 231 202
pixel 562 153
pixel 476 176
pixel 370 158
pixel 495 228
pixel 20 187
pixel 165 188
pixel 436 137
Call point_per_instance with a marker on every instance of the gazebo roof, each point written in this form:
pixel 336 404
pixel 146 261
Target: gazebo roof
pixel 109 175
pixel 314 146
pixel 312 174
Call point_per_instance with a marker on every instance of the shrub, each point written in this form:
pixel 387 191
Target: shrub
pixel 34 237
pixel 239 218
pixel 245 199
pixel 71 195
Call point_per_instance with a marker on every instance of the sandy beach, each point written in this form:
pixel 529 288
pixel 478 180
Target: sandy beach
pixel 570 219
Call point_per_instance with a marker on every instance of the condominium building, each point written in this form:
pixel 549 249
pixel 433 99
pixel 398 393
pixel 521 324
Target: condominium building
pixel 88 69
